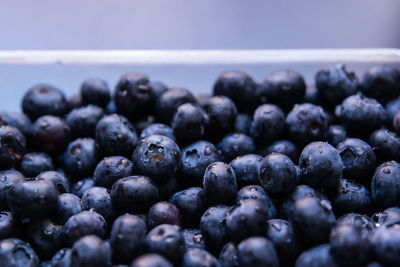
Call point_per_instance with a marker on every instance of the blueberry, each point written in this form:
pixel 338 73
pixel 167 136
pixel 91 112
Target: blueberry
pixel 60 182
pixel 388 216
pixel 159 88
pixel 157 129
pixel 12 146
pixel 82 121
pixel 33 198
pixel 188 123
pixel 194 160
pixel 247 218
pixel 386 145
pixel 163 213
pixel 396 122
pixel 281 234
pixel 17 120
pixel 306 123
pixel 134 194
pixel 168 102
pixel 191 205
pixel 43 99
pixel 110 169
pixel 115 135
pixel 358 159
pixel 213 228
pixel 277 174
pixel 8 179
pixel 257 192
pixel 68 205
pixel 221 113
pixel 385 184
pixel 243 123
pixel 284 88
pixel 320 165
pixel 319 256
pixel 350 246
pixel 385 241
pixel 391 108
pixel 246 169
pixel 336 134
pixel 134 96
pixel 166 240
pixel 90 250
pixel 357 220
pixel 228 257
pixel 95 91
pixel 17 253
pixel 127 237
pixel 99 200
pixel 312 220
pixel 219 183
pixel 61 258
pixel 335 84
pixel 157 156
pixel 34 163
pixel 235 144
pixel 193 238
pixel 80 157
pixel 84 223
pixel 45 236
pixel 299 192
pixel 195 257
pixel 257 252
pixel 360 115
pixel 381 82
pixel 285 147
pixel 74 101
pixel 351 197
pixel 151 260
pixel 50 134
pixel 8 224
pixel 268 123
pixel 81 186
pixel 239 87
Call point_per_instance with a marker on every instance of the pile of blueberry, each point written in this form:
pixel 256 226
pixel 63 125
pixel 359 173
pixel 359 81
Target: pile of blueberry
pixel 270 174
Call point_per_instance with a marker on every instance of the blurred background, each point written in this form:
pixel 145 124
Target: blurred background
pixel 206 24
pixel 174 24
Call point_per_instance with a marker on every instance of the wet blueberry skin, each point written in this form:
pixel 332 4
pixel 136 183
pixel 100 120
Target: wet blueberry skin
pixel 284 88
pixel 194 160
pixel 321 165
pixel 252 174
pixel 157 156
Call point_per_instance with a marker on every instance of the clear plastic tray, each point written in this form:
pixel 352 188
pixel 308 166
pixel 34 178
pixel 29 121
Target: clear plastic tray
pixel 192 69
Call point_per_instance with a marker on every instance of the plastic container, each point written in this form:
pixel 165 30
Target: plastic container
pixel 196 70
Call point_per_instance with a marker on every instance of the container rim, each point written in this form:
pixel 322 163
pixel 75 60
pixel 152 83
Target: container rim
pixel 197 57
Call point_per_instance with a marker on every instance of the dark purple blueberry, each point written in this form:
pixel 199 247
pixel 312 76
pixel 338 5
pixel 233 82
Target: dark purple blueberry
pixel 239 87
pixel 44 99
pixel 115 136
pixel 284 88
pixel 163 213
pixel 134 194
pixel 50 134
pixel 12 147
pixel 134 96
pixel 82 121
pixel 95 91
